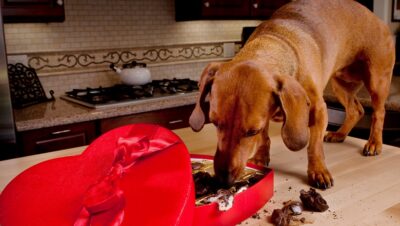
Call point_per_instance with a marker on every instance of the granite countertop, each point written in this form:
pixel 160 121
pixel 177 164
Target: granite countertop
pixel 61 112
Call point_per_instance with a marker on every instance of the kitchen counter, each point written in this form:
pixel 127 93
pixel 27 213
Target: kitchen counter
pixel 366 191
pixel 61 112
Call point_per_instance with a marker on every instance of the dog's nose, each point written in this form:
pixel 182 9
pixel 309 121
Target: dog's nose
pixel 226 170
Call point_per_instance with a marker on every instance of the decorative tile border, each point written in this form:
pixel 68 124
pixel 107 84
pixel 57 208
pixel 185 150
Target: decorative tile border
pixel 81 61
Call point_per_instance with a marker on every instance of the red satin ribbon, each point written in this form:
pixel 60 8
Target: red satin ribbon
pixel 104 202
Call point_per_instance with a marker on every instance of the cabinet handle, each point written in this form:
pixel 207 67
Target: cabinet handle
pixel 61 132
pixel 207 4
pixel 255 5
pixel 175 121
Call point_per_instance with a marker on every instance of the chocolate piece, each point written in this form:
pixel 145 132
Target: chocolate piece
pixel 255 178
pixel 312 200
pixel 223 197
pixel 280 217
pixel 197 165
pixel 237 185
pixel 208 190
pixel 204 183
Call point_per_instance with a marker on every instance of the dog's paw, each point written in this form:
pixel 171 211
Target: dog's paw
pixel 334 137
pixel 321 178
pixel 372 148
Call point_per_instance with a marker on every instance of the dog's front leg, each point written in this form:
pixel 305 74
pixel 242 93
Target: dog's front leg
pixel 318 174
pixel 261 156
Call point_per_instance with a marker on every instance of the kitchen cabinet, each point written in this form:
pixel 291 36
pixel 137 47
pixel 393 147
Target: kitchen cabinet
pixel 264 8
pixel 56 138
pixel 171 118
pixel 32 10
pixel 232 9
pixel 226 9
pixel 79 134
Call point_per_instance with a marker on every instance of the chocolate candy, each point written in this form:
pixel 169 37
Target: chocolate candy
pixel 204 183
pixel 312 200
pixel 208 190
pixel 280 217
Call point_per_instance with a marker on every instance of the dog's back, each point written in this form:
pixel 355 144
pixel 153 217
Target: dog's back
pixel 336 31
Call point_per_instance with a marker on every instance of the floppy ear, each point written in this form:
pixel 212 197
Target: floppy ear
pixel 197 118
pixel 295 108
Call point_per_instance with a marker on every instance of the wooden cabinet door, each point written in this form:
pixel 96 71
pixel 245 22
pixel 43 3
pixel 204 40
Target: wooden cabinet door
pixel 225 9
pixel 172 118
pixel 57 138
pixel 33 10
pixel 211 9
pixel 265 8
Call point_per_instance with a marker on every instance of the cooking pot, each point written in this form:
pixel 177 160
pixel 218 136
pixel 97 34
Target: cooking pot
pixel 133 73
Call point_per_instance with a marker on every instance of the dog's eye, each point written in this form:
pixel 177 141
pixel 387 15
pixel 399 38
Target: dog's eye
pixel 252 132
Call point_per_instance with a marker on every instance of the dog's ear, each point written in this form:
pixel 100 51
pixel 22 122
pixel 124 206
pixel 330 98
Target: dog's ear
pixel 295 107
pixel 197 118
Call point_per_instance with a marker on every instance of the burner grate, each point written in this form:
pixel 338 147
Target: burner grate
pixel 120 92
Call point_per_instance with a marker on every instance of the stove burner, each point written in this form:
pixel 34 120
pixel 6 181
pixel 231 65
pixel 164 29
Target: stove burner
pixel 118 93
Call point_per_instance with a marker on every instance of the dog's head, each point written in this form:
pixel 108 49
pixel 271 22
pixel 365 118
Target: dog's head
pixel 243 97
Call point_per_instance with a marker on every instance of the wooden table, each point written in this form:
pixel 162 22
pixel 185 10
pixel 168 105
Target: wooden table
pixel 366 191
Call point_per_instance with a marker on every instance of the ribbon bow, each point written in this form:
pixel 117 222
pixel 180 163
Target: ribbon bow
pixel 104 202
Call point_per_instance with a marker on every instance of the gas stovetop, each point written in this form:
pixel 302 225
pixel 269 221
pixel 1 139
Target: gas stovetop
pixel 123 95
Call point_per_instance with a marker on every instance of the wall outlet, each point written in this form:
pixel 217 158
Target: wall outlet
pixel 13 59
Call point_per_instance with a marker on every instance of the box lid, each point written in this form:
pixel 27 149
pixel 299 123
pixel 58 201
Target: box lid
pixel 133 175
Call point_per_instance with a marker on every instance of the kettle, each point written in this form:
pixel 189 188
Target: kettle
pixel 133 73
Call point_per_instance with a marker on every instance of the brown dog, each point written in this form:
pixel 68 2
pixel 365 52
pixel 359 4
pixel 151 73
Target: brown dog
pixel 282 71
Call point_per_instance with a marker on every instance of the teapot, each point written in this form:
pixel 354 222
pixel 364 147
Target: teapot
pixel 133 73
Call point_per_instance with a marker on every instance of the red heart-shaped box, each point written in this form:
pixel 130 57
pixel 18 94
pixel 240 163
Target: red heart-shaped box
pixel 158 190
pixel 245 203
pixel 133 175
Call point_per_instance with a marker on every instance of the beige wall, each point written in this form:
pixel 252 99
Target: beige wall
pixel 383 9
pixel 94 24
pixel 118 24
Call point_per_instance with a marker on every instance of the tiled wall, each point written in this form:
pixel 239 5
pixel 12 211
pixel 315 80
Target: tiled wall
pixel 118 24
pixel 61 83
pixel 93 24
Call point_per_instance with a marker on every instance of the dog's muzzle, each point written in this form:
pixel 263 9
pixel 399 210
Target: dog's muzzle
pixel 225 172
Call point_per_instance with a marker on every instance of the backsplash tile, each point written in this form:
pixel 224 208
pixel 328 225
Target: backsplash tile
pixel 62 83
pixel 104 24
pixel 67 62
pixel 77 52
